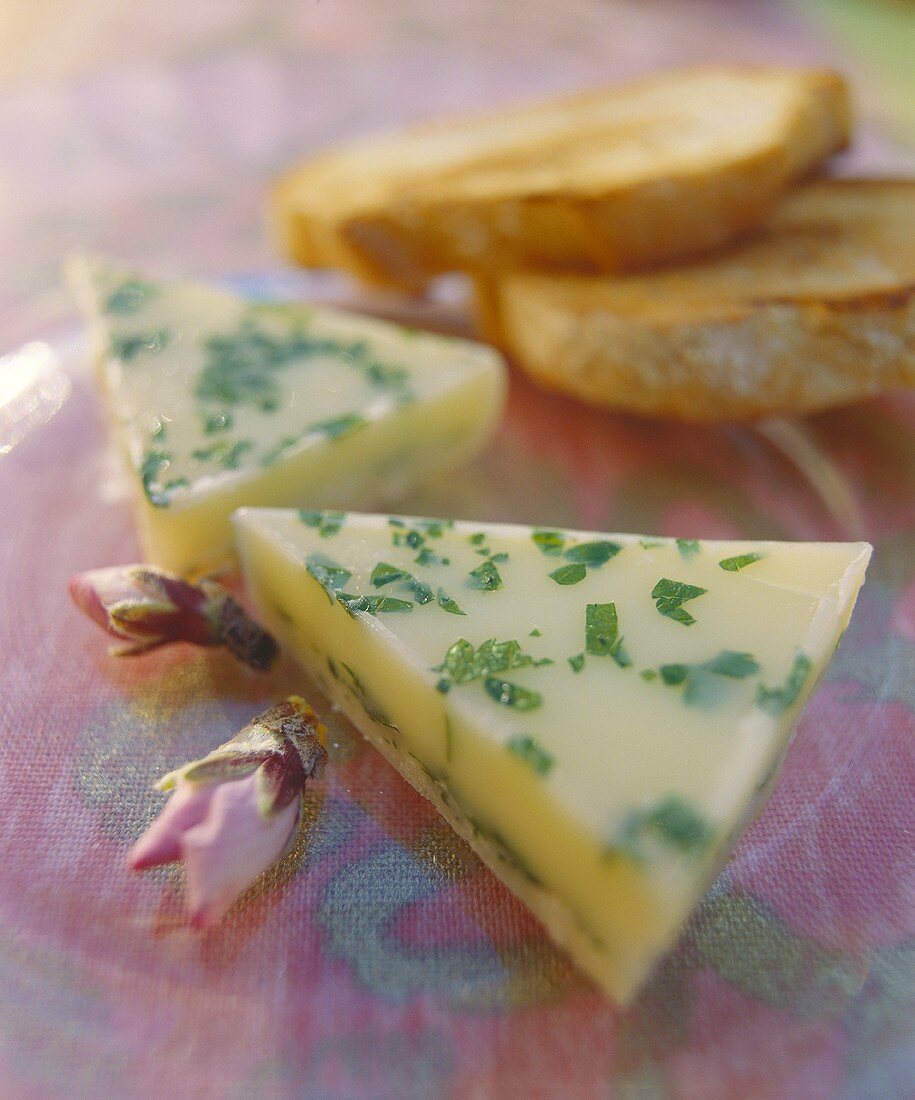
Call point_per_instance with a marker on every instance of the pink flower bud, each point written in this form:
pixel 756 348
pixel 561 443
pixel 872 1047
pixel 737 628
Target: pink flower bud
pixel 144 607
pixel 234 812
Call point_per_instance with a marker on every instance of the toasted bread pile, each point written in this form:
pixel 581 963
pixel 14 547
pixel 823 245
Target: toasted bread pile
pixel 653 247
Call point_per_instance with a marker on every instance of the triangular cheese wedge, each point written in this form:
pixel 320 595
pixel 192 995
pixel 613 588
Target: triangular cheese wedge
pixel 221 402
pixel 597 715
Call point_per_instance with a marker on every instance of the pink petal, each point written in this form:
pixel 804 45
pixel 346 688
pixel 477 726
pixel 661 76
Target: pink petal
pixel 225 853
pixel 161 843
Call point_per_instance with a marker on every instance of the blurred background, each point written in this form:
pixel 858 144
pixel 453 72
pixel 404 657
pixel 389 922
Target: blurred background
pixel 151 131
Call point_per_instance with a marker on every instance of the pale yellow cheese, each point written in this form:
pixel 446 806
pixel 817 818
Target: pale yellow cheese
pixel 220 402
pixel 604 773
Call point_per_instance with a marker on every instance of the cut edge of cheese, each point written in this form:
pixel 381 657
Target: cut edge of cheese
pixel 395 726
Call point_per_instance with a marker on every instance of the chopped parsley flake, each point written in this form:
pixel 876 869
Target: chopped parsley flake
pixel 551 543
pixel 688 548
pixel 525 747
pixel 593 553
pixel 327 524
pixel 672 821
pixel 741 561
pixel 512 695
pixel 704 685
pixel 446 603
pixel 128 297
pixel 478 539
pixel 776 701
pixel 127 348
pixel 243 367
pixel 650 544
pixel 463 663
pixel 152 468
pixel 218 422
pixel 372 605
pixel 577 662
pixel 669 597
pixel 485 577
pixel 569 574
pixel 427 557
pixel 535 633
pixel 383 574
pixel 602 637
pixel 443 685
pixel 387 574
pixel 331 576
pixel 338 426
pixel 227 454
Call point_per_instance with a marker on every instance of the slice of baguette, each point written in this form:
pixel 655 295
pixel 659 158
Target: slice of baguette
pixel 819 311
pixel 609 180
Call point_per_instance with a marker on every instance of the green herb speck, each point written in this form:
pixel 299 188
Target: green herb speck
pixel 669 597
pixel 776 701
pixel 327 524
pixel 512 695
pixel 527 748
pixel 688 548
pixel 485 577
pixel 446 603
pixel 577 662
pixel 593 553
pixel 550 543
pixel 127 348
pixel 602 637
pixel 128 297
pixel 741 561
pixel 569 574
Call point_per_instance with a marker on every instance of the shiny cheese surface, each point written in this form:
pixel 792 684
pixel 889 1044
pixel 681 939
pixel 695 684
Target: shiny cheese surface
pixel 602 713
pixel 221 402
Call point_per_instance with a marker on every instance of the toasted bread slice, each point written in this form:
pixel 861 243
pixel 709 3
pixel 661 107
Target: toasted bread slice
pixel 610 180
pixel 819 311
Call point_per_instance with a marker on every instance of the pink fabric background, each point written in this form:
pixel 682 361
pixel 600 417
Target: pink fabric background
pixel 380 959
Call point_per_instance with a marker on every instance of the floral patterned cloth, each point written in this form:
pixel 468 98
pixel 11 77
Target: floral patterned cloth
pixel 379 959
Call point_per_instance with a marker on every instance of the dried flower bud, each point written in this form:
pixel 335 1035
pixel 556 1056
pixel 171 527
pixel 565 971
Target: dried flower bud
pixel 144 607
pixel 234 812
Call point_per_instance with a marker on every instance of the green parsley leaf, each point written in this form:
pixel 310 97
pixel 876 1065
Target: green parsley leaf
pixel 593 553
pixel 331 576
pixel 688 548
pixel 338 426
pixel 741 561
pixel 372 605
pixel 672 822
pixel 476 539
pixel 130 296
pixel 385 574
pixel 485 576
pixel 551 543
pixel 128 348
pixel 535 633
pixel 577 662
pixel 512 695
pixel 569 574
pixel 776 701
pixel 327 524
pixel 525 747
pixel 218 422
pixel 446 603
pixel 422 592
pixel 670 595
pixel 706 683
pixel 602 638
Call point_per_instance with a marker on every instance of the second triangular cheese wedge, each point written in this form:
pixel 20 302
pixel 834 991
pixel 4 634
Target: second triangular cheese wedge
pixel 220 402
pixel 598 715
